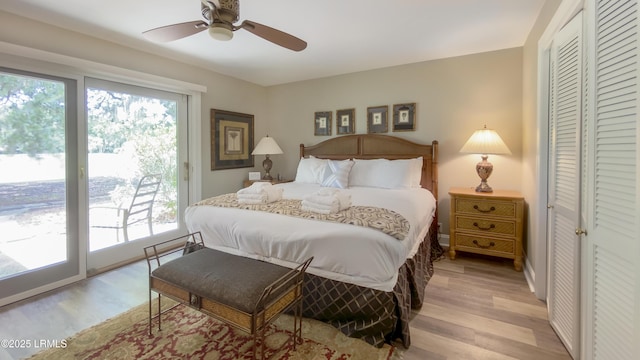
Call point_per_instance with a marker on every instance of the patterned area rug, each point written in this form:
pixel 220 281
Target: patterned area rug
pixel 188 334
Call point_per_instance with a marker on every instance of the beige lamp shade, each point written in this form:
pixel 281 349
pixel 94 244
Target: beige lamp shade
pixel 485 141
pixel 267 146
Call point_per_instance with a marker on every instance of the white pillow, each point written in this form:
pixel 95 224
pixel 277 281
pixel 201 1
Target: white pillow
pixel 388 174
pixel 416 172
pixel 311 170
pixel 336 174
pixel 365 172
pixel 403 174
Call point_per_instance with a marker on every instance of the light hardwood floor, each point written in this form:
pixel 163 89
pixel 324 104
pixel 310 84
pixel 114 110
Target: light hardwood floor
pixel 476 308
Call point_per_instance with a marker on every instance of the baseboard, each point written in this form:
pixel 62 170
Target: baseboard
pixel 443 239
pixel 529 275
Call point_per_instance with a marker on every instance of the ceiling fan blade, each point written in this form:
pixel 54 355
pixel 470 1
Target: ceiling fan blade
pixel 275 36
pixel 175 31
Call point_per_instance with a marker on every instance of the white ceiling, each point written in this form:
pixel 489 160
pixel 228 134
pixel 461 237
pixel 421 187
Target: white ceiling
pixel 343 36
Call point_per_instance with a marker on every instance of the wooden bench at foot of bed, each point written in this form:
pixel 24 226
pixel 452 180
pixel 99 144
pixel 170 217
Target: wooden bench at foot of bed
pixel 245 293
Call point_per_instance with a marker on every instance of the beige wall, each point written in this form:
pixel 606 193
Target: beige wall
pixel 223 92
pixel 454 97
pixel 531 135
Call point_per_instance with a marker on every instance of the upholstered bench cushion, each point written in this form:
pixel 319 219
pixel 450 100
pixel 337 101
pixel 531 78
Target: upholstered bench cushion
pixel 228 279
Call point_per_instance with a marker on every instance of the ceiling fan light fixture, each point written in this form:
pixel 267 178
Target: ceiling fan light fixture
pixel 220 33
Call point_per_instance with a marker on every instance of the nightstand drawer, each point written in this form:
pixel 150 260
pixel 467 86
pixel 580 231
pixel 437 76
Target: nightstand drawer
pixel 482 245
pixel 486 225
pixel 487 207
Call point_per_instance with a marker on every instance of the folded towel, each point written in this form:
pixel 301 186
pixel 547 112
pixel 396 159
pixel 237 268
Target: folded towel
pixel 266 194
pixel 326 201
pixel 257 187
pixel 327 191
pixel 343 200
pixel 320 209
pixel 322 200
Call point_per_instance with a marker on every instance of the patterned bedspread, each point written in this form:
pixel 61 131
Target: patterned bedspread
pixel 385 220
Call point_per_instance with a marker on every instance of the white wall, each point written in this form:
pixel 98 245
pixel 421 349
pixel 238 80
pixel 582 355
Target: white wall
pixel 454 97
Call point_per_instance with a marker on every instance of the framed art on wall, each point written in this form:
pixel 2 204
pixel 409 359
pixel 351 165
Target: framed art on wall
pixel 377 119
pixel 322 123
pixel 231 140
pixel 404 117
pixel 345 121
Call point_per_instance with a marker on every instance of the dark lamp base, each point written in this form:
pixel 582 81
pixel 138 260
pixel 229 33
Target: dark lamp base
pixel 266 164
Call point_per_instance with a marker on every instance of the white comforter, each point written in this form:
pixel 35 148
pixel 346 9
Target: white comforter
pixel 341 252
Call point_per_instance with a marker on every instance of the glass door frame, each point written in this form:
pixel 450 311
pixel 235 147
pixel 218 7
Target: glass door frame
pixel 113 256
pixel 43 62
pixel 46 278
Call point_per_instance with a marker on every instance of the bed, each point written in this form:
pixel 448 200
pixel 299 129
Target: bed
pixel 363 280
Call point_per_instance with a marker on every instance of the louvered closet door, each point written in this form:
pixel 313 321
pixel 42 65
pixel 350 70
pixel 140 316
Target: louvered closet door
pixel 564 179
pixel 612 245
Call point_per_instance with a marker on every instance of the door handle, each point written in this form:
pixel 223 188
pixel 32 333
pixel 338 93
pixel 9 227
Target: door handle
pixel 580 231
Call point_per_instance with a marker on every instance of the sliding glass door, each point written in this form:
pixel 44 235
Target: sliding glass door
pixel 87 178
pixel 137 182
pixel 38 181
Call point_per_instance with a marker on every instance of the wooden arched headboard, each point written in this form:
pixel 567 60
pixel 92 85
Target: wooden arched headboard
pixel 375 146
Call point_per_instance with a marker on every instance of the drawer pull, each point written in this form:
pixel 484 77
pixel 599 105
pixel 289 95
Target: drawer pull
pixel 491 226
pixel 491 244
pixel 493 208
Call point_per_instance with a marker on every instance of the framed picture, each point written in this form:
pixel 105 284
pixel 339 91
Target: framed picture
pixel 231 140
pixel 377 119
pixel 345 121
pixel 404 117
pixel 322 123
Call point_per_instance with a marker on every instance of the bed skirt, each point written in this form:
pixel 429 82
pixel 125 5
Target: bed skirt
pixel 372 315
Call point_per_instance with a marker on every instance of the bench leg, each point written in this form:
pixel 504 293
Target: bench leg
pixel 151 312
pixel 258 337
pixel 159 311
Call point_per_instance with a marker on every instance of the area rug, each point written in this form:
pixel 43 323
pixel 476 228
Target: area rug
pixel 189 334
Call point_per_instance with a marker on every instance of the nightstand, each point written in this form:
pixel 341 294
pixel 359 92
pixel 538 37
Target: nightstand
pixel 487 223
pixel 248 183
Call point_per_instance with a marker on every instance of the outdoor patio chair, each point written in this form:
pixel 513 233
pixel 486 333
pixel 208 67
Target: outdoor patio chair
pixel 140 209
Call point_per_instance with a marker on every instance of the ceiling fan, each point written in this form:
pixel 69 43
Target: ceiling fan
pixel 219 18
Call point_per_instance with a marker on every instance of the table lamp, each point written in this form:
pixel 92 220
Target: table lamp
pixel 267 146
pixel 485 141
